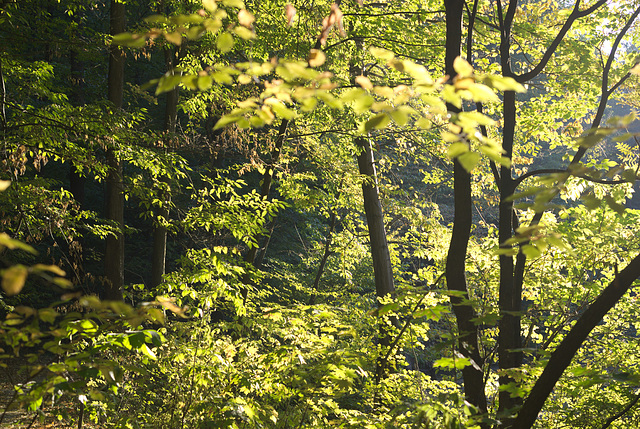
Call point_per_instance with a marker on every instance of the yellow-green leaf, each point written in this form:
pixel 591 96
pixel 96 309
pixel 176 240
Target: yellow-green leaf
pixel 462 67
pixel 401 118
pixel 10 243
pixel 316 58
pixel 381 53
pixel 174 37
pixel 234 3
pixel 130 40
pixel 469 160
pixel 379 121
pixel 168 82
pixel 204 82
pixel 225 120
pixel 225 41
pixel 210 5
pixel 282 111
pixel 457 149
pixel 530 251
pixel 13 279
pixel 244 33
pixel 51 268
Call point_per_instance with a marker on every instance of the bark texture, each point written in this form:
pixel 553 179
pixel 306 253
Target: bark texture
pixel 455 267
pixel 114 252
pixel 382 268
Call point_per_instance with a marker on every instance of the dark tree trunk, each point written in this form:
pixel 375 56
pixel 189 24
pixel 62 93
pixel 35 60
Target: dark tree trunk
pixel 159 252
pixel 77 178
pixel 382 268
pixel 114 253
pixel 455 267
pixel 77 181
pixel 510 292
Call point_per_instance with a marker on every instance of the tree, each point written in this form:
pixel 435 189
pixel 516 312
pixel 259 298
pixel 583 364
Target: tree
pixel 114 193
pixel 509 344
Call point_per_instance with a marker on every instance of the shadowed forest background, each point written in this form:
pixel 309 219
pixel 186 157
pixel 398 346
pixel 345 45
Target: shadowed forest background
pixel 263 214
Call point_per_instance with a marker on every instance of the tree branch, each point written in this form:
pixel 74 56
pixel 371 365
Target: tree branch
pixel 564 353
pixel 532 173
pixel 624 411
pixel 575 14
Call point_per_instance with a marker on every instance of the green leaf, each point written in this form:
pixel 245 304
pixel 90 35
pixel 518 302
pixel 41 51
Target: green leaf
pixel 613 205
pixel 530 251
pixel 47 315
pixel 10 243
pixel 393 306
pixel 451 363
pixel 379 121
pixel 130 40
pixel 469 160
pixel 168 82
pixel 147 351
pixel 457 149
pixel 13 279
pixel 225 42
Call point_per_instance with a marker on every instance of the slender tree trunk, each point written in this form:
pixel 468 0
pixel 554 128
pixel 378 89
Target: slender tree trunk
pixel 382 268
pixel 267 179
pixel 323 260
pixel 510 296
pixel 510 291
pixel 455 267
pixel 114 253
pixel 3 101
pixel 77 181
pixel 265 189
pixel 159 252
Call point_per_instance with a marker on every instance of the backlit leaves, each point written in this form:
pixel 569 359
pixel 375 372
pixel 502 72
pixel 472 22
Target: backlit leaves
pixel 13 279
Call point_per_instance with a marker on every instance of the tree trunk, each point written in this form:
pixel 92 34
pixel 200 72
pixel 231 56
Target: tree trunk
pixel 510 292
pixel 159 253
pixel 510 296
pixel 323 261
pixel 382 268
pixel 455 267
pixel 267 179
pixel 77 181
pixel 114 253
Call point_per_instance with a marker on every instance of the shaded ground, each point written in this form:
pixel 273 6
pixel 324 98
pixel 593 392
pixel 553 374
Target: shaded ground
pixel 14 416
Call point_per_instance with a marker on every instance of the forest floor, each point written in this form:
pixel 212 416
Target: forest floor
pixel 15 417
